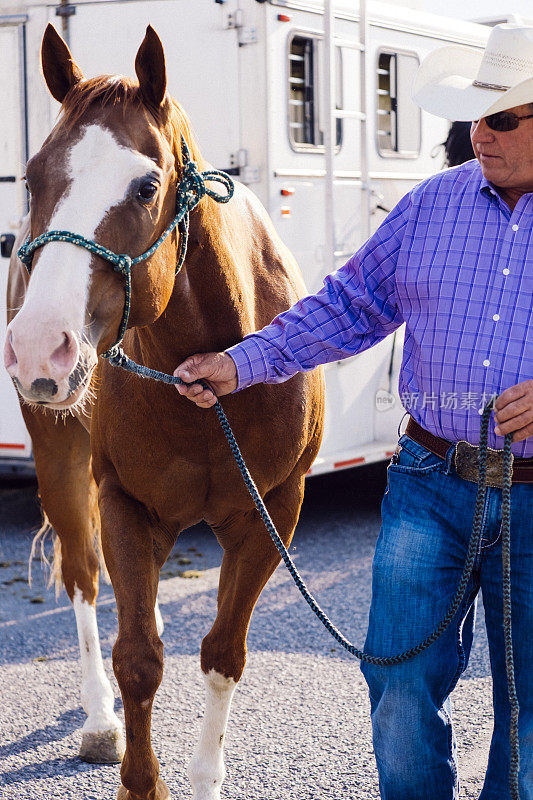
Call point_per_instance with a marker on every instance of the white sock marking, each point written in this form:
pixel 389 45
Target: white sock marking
pixel 206 770
pixel 160 625
pixel 96 693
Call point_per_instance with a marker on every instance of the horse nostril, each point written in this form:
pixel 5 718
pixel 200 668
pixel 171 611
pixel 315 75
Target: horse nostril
pixel 10 358
pixel 44 386
pixel 64 357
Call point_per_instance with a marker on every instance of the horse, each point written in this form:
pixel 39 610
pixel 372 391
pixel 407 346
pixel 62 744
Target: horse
pixel 132 463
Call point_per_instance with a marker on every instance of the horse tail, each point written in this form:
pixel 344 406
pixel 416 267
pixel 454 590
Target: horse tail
pixel 53 563
pixel 38 551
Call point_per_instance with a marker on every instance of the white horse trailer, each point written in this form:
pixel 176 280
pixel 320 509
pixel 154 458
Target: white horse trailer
pixel 306 102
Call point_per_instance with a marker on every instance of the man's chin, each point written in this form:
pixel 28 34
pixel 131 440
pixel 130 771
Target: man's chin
pixel 492 168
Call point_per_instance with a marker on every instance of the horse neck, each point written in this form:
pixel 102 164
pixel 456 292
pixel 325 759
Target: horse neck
pixel 208 309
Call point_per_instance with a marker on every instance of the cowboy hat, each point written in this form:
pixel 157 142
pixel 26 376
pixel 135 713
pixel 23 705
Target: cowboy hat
pixel 463 84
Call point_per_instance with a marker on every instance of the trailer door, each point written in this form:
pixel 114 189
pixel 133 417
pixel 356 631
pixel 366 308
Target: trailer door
pixel 14 439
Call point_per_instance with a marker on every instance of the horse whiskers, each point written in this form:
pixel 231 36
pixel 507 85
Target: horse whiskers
pixel 81 405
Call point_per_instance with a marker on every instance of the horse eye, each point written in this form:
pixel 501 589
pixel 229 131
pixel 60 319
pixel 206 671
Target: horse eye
pixel 147 190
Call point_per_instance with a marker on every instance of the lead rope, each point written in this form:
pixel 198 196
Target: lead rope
pixel 507 627
pixel 122 360
pixel 189 193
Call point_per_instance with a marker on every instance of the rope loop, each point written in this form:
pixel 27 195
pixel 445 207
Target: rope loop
pixel 225 180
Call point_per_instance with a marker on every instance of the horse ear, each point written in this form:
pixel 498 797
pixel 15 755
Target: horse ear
pixel 150 68
pixel 59 69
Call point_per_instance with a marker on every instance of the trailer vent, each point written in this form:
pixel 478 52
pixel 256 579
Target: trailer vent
pixel 398 118
pixel 306 117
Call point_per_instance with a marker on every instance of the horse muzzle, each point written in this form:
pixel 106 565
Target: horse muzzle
pixel 49 372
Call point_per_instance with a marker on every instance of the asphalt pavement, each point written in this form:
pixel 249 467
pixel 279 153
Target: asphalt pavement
pixel 299 727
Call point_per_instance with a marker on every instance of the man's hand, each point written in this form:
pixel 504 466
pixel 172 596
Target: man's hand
pixel 513 411
pixel 216 368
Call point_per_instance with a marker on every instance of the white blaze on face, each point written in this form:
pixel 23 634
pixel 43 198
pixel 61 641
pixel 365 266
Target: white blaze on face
pixel 96 693
pixel 206 770
pixel 99 171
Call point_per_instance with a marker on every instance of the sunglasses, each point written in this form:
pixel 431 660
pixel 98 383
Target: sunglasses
pixel 504 121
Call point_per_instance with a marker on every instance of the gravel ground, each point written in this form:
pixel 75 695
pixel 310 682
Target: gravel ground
pixel 299 728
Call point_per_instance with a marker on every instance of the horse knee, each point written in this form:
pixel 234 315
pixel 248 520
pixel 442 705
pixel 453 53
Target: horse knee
pixel 138 667
pixel 225 656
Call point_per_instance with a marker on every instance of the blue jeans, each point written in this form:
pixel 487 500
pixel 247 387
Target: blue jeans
pixel 427 514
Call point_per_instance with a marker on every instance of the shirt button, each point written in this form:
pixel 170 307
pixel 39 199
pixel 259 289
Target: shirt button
pixel 505 271
pixel 496 317
pixel 515 227
pixel 486 363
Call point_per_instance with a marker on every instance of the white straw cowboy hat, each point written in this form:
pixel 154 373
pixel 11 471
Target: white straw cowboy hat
pixel 462 84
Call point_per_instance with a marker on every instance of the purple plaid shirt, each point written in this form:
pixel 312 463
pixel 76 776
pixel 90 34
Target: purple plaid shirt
pixel 454 264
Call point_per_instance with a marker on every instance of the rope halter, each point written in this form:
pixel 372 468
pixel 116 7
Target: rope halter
pixel 190 190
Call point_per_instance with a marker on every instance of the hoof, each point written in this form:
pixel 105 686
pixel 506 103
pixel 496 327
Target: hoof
pixel 161 792
pixel 103 748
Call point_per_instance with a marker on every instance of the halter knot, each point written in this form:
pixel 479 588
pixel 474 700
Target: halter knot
pixel 24 255
pixel 123 264
pixel 192 187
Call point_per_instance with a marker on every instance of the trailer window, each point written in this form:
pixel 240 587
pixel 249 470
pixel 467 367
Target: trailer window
pixel 306 114
pixel 398 118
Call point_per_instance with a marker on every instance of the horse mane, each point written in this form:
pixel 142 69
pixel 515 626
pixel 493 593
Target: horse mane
pixel 118 90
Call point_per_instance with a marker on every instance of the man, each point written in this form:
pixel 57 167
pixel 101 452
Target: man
pixel 454 261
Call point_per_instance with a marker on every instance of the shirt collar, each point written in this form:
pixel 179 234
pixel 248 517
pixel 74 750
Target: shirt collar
pixel 489 191
pixel 485 187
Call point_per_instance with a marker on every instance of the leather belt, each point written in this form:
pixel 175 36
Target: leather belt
pixel 466 457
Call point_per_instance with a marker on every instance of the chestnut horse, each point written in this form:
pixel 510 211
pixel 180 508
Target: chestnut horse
pixel 154 464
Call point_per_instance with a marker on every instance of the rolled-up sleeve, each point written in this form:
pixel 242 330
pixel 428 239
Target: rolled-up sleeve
pixel 355 308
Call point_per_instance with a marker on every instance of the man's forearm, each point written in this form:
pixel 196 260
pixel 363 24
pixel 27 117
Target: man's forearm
pixel 344 318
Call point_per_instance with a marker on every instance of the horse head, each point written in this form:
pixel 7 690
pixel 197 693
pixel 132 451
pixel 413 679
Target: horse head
pixel 107 172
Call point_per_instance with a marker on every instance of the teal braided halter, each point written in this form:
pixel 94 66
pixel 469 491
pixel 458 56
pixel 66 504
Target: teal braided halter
pixel 190 191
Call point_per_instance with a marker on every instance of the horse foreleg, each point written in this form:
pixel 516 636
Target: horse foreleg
pixel 206 769
pixel 102 737
pixel 160 625
pixel 248 563
pixel 134 551
pixel 69 499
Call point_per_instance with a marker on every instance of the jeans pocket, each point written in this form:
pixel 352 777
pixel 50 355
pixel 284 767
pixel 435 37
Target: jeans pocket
pixel 414 459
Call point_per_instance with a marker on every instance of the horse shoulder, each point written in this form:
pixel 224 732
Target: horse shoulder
pixel 277 278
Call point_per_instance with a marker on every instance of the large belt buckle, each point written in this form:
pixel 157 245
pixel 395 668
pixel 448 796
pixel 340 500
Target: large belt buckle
pixel 466 464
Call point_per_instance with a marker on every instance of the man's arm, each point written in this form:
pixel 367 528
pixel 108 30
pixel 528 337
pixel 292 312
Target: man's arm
pixel 355 308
